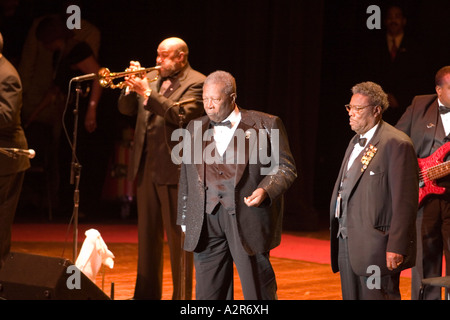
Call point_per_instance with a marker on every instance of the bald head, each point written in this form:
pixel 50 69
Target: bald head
pixel 175 44
pixel 172 56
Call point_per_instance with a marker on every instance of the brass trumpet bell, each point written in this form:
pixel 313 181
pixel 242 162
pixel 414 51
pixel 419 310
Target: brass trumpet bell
pixel 106 77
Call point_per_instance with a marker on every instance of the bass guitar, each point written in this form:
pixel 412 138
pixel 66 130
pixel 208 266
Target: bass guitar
pixel 431 169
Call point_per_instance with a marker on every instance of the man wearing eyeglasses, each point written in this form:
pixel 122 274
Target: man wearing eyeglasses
pixel 151 165
pixel 228 205
pixel 374 202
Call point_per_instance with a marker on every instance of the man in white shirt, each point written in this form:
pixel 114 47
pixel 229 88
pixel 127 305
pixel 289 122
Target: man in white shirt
pixel 427 122
pixel 388 58
pixel 230 209
pixel 374 202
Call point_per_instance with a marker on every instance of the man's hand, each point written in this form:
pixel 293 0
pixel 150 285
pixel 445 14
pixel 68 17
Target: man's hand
pixel 90 120
pixel 393 260
pixel 136 82
pixel 257 197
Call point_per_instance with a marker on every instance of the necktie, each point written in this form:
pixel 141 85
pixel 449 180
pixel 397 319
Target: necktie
pixel 393 50
pixel 223 123
pixel 443 109
pixel 362 141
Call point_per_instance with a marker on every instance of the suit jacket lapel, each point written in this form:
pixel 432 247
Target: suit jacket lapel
pixel 355 172
pixel 198 140
pixel 431 125
pixel 246 125
pixel 175 84
pixel 343 169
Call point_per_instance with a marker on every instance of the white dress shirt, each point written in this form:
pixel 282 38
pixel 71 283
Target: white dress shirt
pixel 223 134
pixel 357 149
pixel 445 120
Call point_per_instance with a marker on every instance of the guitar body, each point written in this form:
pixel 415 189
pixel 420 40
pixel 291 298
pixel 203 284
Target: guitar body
pixel 426 165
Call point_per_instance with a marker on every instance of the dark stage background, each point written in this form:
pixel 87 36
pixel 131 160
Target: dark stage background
pixel 297 59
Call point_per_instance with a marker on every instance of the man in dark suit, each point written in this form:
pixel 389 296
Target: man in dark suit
pixel 157 176
pixel 374 202
pixel 393 61
pixel 12 169
pixel 236 167
pixel 427 122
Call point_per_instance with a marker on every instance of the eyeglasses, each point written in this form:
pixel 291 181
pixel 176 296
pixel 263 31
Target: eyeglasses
pixel 215 101
pixel 349 107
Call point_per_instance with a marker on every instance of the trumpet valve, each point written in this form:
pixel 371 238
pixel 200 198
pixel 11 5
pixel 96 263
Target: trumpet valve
pixel 104 76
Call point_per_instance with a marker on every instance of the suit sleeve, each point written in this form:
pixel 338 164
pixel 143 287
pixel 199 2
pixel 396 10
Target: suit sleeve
pixel 164 107
pixel 404 186
pixel 404 123
pixel 183 191
pixel 10 101
pixel 283 167
pixel 182 196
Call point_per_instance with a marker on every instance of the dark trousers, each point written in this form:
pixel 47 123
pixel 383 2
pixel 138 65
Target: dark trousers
pixel 218 248
pixel 355 287
pixel 433 242
pixel 157 212
pixel 10 188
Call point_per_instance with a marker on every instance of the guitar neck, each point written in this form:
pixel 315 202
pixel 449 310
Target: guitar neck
pixel 439 171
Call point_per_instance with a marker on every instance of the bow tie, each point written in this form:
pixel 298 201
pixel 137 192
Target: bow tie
pixel 171 78
pixel 362 141
pixel 223 123
pixel 443 109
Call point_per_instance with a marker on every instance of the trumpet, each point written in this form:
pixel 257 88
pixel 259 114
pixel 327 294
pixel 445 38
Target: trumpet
pixel 106 77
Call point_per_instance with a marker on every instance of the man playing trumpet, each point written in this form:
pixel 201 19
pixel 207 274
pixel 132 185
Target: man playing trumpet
pixel 154 103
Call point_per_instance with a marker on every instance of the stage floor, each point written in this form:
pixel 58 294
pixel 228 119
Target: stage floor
pixel 301 262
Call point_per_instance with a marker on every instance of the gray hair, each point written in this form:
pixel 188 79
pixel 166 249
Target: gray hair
pixel 222 77
pixel 376 95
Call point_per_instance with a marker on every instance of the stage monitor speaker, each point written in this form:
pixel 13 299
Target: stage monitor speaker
pixel 34 277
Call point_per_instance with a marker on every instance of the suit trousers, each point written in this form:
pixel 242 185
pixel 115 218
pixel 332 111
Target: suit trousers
pixel 10 188
pixel 433 242
pixel 218 248
pixel 355 287
pixel 157 213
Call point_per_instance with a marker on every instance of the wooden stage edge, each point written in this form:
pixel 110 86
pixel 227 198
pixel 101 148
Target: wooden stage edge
pixel 297 278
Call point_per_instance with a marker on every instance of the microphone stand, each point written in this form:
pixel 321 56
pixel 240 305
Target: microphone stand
pixel 75 173
pixel 183 260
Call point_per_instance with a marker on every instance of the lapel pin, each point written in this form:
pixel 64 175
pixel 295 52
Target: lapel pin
pixel 368 156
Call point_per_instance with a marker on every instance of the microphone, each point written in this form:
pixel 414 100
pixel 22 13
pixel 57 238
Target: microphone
pixel 30 153
pixel 179 103
pixel 86 77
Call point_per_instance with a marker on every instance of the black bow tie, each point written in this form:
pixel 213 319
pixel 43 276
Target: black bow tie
pixel 443 109
pixel 362 141
pixel 223 123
